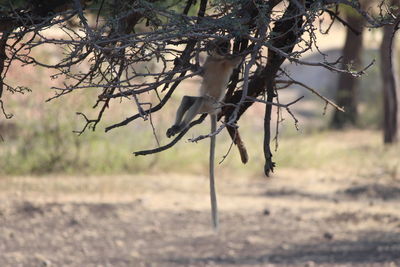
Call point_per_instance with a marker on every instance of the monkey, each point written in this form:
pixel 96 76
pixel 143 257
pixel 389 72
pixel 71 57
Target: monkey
pixel 217 71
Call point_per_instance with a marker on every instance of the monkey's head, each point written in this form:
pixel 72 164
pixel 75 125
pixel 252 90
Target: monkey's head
pixel 219 47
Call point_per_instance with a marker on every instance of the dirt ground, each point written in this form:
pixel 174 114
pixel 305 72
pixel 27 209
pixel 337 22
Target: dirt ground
pixel 297 218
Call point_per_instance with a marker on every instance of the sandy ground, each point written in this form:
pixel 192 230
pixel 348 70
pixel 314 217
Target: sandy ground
pixel 305 218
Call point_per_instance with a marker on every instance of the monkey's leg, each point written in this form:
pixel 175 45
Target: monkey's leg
pixel 186 103
pixel 193 111
pixel 234 133
pixel 213 194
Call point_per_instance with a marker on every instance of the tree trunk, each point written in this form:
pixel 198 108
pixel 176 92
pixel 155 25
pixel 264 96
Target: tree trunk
pixel 390 84
pixel 347 86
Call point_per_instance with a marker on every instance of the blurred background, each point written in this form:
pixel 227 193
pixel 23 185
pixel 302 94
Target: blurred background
pixel 39 139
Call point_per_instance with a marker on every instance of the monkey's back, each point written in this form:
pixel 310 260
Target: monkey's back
pixel 215 79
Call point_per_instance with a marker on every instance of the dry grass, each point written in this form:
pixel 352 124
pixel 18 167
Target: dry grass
pixel 339 211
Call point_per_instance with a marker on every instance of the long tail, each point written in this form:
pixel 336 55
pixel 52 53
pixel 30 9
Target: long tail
pixel 213 195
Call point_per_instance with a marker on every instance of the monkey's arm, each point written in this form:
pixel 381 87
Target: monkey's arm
pixel 235 61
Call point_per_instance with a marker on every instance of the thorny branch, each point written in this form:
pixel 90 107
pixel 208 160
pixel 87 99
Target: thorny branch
pixel 174 141
pixel 141 50
pixel 312 90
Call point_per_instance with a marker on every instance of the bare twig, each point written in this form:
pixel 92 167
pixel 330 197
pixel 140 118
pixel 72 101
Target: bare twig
pixel 173 142
pixel 290 82
pixel 122 58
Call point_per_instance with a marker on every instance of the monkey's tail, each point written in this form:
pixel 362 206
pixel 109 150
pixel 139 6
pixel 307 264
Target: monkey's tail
pixel 213 195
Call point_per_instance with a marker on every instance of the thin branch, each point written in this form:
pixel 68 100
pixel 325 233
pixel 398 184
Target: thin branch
pixel 290 82
pixel 6 115
pixel 173 142
pixel 273 103
pixel 335 15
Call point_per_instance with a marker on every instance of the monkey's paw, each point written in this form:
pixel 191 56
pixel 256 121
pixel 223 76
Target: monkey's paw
pixel 173 130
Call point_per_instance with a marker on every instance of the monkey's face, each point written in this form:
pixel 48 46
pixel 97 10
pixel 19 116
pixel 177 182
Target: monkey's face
pixel 219 48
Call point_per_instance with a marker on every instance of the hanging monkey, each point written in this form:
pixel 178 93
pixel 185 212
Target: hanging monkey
pixel 217 71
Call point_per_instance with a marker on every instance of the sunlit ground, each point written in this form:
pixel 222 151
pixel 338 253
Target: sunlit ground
pixel 337 204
